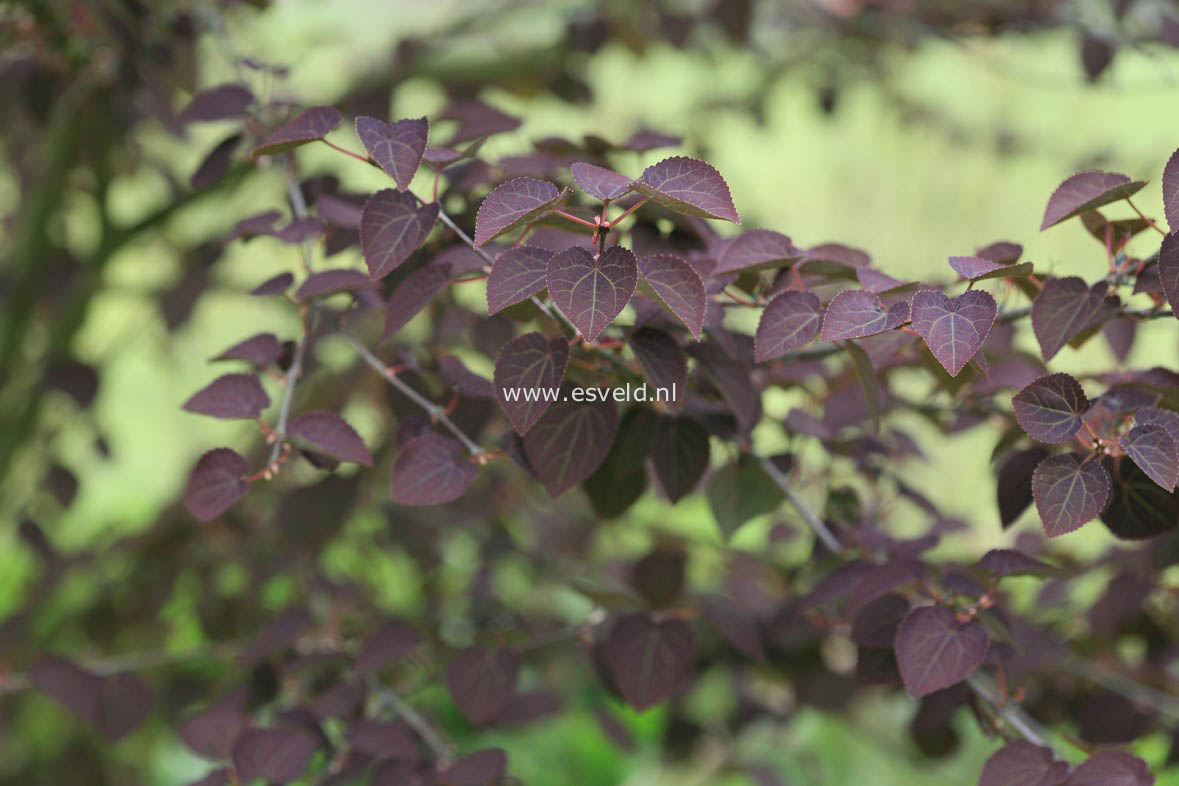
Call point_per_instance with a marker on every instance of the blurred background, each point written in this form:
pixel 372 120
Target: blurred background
pixel 915 130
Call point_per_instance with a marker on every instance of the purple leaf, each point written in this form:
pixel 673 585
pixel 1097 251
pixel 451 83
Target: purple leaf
pixel 481 768
pixel 528 374
pixel 599 182
pixel 261 350
pixel 1138 507
pixel 650 661
pixel 789 321
pixel 216 163
pixel 1111 768
pixel 663 360
pixel 643 140
pixel 592 292
pixel 981 269
pixel 217 481
pixel 308 126
pixel 1014 486
pixel 1002 251
pixel 330 433
pixel 431 470
pixel 1153 416
pixel 954 330
pixel 1065 308
pixel 570 440
pixel 396 148
pixel 518 274
pixel 412 295
pixel 301 229
pixel 222 102
pixel 1171 191
pixel 688 186
pixel 274 286
pixel 1154 451
pixel 261 224
pixel 875 623
pixel 477 120
pixel 1069 492
pixel 452 372
pixel 679 454
pixel 230 396
pixel 115 705
pixel 212 733
pixel 277 755
pixel 389 643
pixel 678 288
pixel 331 282
pixel 758 249
pixel 215 778
pixel 732 378
pixel 1010 562
pixel 392 227
pixel 1050 408
pixel 1086 191
pixel 875 281
pixel 482 682
pixel 1021 763
pixel 385 740
pixel 934 650
pixel 513 204
pixel 1168 269
pixel 855 313
pixel 841 257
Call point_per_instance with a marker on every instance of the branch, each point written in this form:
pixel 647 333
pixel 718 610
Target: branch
pixel 822 532
pixel 440 747
pixel 1163 703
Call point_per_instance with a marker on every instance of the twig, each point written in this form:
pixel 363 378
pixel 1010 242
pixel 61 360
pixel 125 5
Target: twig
pixel 288 395
pixel 1010 713
pixel 822 532
pixel 440 747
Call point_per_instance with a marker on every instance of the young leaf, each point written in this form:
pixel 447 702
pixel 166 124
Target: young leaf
pixel 855 313
pixel 276 755
pixel 1171 191
pixel 934 650
pixel 592 292
pixel 309 125
pixel 528 374
pixel 789 321
pixel 413 294
pixel 392 227
pixel 758 249
pixel 1065 308
pixel 260 350
pixel 1050 408
pixel 739 491
pixel 223 102
pixel 482 682
pixel 1155 453
pixel 396 148
pixel 1021 763
pixel 570 440
pixel 518 274
pixel 1069 492
pixel 230 396
pixel 430 470
pixel 217 481
pixel 513 204
pixel 1014 486
pixel 678 288
pixel 330 433
pixel 954 330
pixel 331 282
pixel 1111 768
pixel 688 186
pixel 650 661
pixel 663 360
pixel 679 453
pixel 599 182
pixel 1086 191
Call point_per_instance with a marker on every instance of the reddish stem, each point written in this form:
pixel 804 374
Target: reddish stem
pixel 1149 222
pixel 348 152
pixel 575 219
pixel 627 212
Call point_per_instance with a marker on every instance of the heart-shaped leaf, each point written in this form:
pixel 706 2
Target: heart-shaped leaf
pixel 1155 453
pixel 953 329
pixel 789 321
pixel 275 755
pixel 650 661
pixel 758 249
pixel 678 288
pixel 230 396
pixel 413 294
pixel 1069 492
pixel 1112 768
pixel 679 453
pixel 934 650
pixel 571 439
pixel 482 682
pixel 1050 408
pixel 309 125
pixel 688 186
pixel 1021 763
pixel 396 148
pixel 605 184
pixel 663 360
pixel 513 204
pixel 331 282
pixel 528 374
pixel 590 291
pixel 855 313
pixel 1086 191
pixel 392 227
pixel 430 470
pixel 260 350
pixel 1065 308
pixel 518 274
pixel 330 433
pixel 217 481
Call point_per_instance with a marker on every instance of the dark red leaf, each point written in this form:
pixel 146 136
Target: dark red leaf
pixel 1002 251
pixel 677 287
pixel 223 102
pixel 1171 191
pixel 309 125
pixel 789 321
pixel 855 313
pixel 513 204
pixel 330 433
pixel 830 257
pixel 392 227
pixel 482 682
pixel 114 705
pixel 1022 763
pixel 1096 55
pixel 230 396
pixel 663 360
pixel 758 249
pixel 216 163
pixel 261 350
pixel 1111 768
pixel 331 282
pixel 212 733
pixel 431 470
pixel 528 374
pixel 571 439
pixel 389 643
pixel 1010 562
pixel 481 768
pixel 1014 486
pixel 875 281
pixel 518 274
pixel 1086 191
pixel 1138 508
pixel 274 286
pixel 1065 308
pixel 277 755
pixel 732 378
pixel 396 148
pixel 650 661
pixel 452 372
pixel 737 624
pixel 591 291
pixel 384 740
pixel 981 269
pixel 875 623
pixel 935 650
pixel 953 329
pixel 679 454
pixel 1050 408
pixel 217 481
pixel 412 295
pixel 1069 492
pixel 688 186
pixel 598 181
